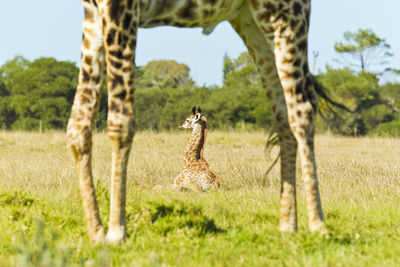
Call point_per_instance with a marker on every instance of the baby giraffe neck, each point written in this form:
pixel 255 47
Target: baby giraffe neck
pixel 195 146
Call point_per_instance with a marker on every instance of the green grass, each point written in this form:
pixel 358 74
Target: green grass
pixel 42 220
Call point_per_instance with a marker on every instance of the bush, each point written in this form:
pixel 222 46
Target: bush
pixel 388 129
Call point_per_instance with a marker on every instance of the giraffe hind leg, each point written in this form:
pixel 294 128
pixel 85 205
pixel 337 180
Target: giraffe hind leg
pixel 290 49
pixel 261 49
pixel 120 43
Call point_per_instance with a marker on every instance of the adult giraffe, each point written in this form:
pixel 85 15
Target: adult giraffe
pixel 275 33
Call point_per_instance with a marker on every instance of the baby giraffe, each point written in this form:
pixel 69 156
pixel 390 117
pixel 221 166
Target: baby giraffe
pixel 196 174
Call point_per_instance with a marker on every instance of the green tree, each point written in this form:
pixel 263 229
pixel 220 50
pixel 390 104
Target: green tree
pixel 241 102
pixel 244 60
pixel 228 66
pixel 7 114
pixel 165 73
pixel 360 92
pixel 390 96
pixel 365 47
pixel 3 88
pixel 11 71
pixel 372 104
pixel 40 92
pixel 148 107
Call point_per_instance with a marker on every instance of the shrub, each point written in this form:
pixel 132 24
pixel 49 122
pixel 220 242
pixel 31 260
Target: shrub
pixel 388 129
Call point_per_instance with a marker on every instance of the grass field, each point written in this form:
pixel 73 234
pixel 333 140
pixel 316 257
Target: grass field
pixel 42 220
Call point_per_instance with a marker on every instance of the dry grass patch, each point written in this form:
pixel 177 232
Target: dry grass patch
pixel 237 225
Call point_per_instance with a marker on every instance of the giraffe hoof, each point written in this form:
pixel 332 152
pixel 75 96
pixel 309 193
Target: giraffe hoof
pixel 116 235
pixel 316 225
pixel 324 231
pixel 287 228
pixel 321 229
pixel 98 237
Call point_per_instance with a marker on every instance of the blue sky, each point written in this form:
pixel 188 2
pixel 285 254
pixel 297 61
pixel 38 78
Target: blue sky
pixel 52 28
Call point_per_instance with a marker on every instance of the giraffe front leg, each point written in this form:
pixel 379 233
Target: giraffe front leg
pixel 83 114
pixel 178 182
pixel 120 43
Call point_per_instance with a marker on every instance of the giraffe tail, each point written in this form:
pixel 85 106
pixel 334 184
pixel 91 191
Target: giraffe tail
pixel 273 140
pixel 322 92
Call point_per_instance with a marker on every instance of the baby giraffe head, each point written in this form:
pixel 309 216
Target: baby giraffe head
pixel 196 117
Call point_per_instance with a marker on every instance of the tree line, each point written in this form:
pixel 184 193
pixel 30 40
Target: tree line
pixel 38 94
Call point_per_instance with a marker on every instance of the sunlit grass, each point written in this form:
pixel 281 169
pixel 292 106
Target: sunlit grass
pixel 42 222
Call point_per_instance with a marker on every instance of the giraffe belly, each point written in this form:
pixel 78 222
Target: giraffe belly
pixel 188 13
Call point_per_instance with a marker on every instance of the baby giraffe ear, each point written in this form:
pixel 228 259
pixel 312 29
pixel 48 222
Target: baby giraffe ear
pixel 194 110
pixel 199 110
